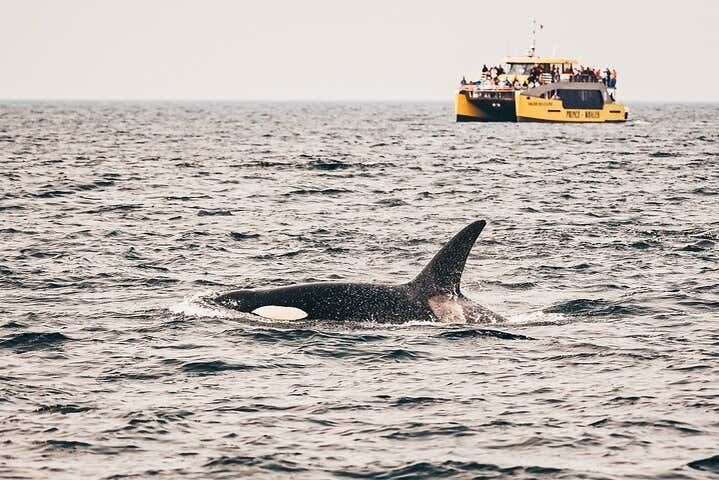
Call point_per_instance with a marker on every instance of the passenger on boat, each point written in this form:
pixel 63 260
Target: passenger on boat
pixel 613 79
pixel 555 73
pixel 536 76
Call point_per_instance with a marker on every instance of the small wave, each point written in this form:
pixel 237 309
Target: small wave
pixel 96 184
pixel 680 427
pixel 266 164
pixel 272 463
pixel 420 431
pixel 124 375
pixel 114 208
pixel 482 333
pixel 269 256
pixel 184 198
pixel 152 266
pixel 317 191
pixel 215 366
pixel 400 354
pixel 337 250
pixel 206 282
pixel 450 468
pixel 392 202
pixel 34 340
pixel 663 155
pixel 361 353
pixel 14 324
pixel 416 401
pixel 243 236
pixel 699 246
pixel 63 409
pixel 327 165
pixel 631 400
pixel 52 194
pixel 689 368
pixel 214 212
pixel 240 460
pixel 594 308
pixel 643 245
pixel 41 254
pixel 15 230
pixel 273 335
pixel 158 281
pixel 706 191
pixel 66 444
pixel 713 287
pixel 700 304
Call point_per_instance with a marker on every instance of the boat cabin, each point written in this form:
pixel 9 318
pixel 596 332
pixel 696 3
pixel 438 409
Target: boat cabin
pixel 520 68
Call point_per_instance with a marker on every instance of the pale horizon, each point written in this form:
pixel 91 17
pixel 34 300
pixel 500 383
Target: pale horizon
pixel 322 51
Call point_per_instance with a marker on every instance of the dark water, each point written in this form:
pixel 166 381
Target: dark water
pixel 601 250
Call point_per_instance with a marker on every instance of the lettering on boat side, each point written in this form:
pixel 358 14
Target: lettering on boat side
pixel 578 114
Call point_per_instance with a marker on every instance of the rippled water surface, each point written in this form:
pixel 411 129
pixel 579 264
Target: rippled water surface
pixel 118 220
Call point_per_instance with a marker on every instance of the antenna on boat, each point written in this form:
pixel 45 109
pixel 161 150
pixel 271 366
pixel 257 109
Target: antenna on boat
pixel 533 48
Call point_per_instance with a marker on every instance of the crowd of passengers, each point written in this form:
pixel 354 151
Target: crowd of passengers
pixel 537 76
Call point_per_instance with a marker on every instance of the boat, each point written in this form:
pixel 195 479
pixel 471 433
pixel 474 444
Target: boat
pixel 540 89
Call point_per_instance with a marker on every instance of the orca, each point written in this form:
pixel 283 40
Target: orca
pixel 434 295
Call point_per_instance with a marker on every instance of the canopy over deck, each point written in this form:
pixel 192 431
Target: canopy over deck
pixel 550 60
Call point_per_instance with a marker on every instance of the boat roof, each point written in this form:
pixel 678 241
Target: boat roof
pixel 555 60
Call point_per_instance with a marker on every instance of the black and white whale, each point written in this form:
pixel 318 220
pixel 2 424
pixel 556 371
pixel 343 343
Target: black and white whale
pixel 434 295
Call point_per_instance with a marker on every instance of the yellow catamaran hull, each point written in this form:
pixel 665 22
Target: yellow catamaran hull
pixel 527 108
pixel 546 110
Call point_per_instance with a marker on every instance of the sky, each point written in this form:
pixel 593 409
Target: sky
pixel 320 50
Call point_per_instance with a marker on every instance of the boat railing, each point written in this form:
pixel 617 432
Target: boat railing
pixel 545 79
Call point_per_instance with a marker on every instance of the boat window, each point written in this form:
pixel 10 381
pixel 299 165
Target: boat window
pixel 589 99
pixel 520 68
pixel 551 94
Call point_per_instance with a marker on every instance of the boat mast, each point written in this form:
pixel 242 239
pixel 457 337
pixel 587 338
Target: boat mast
pixel 533 48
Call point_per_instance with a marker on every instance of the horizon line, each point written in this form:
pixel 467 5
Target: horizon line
pixel 296 100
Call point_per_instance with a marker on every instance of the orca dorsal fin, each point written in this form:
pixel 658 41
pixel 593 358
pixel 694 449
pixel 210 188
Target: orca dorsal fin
pixel 444 272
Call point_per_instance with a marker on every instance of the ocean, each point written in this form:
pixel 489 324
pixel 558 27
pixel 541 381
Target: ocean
pixel 119 220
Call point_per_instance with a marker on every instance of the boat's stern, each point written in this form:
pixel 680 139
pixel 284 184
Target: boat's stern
pixel 484 106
